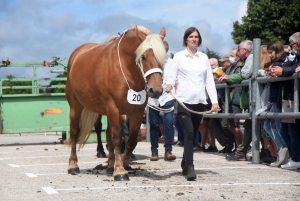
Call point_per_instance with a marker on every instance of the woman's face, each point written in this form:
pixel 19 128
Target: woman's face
pixel 272 54
pixel 193 40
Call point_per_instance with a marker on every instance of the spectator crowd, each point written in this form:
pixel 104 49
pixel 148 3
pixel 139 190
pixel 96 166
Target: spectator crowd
pixel 192 76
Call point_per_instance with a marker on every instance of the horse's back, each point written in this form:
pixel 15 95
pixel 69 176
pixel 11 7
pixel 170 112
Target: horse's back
pixel 79 50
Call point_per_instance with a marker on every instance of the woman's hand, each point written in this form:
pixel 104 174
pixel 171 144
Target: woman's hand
pixel 215 107
pixel 168 88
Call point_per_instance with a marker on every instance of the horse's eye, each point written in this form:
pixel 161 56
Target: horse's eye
pixel 143 58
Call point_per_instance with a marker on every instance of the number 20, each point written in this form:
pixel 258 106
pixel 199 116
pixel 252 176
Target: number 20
pixel 136 97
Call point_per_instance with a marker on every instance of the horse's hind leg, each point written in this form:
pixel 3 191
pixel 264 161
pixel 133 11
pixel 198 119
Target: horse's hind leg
pixel 98 129
pixel 75 113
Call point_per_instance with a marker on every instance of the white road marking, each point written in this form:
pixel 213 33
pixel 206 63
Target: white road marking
pixel 49 190
pixel 47 164
pixel 1 159
pixel 44 156
pixel 31 175
pixel 13 165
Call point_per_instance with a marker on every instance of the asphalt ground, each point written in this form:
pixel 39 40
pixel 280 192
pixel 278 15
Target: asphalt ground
pixel 34 167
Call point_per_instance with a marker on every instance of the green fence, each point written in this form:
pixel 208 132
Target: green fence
pixel 28 107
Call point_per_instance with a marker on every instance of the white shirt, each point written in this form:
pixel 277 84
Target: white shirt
pixel 165 97
pixel 194 75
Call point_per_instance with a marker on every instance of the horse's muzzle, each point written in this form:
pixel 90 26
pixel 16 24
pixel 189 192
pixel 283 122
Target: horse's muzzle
pixel 154 93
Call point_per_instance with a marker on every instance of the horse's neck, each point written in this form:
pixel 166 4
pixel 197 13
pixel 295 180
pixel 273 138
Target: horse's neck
pixel 127 53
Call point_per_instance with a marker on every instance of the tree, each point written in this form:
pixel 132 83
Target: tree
pixel 16 83
pixel 57 90
pixel 171 55
pixel 268 20
pixel 212 54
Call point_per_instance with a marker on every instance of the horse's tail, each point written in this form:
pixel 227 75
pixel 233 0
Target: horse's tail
pixel 86 122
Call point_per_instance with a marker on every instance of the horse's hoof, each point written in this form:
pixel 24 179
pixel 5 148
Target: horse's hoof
pixel 123 177
pixel 74 171
pixel 110 170
pixel 101 155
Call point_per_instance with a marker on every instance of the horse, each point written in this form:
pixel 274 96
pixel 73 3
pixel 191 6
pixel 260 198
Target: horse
pixel 113 78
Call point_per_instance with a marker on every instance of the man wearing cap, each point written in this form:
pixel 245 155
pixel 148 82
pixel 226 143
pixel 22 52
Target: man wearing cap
pixel 225 63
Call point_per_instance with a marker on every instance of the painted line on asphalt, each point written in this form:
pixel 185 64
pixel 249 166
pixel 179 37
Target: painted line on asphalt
pixel 13 165
pixel 30 175
pixel 36 175
pixel 8 158
pixel 50 190
pixel 45 164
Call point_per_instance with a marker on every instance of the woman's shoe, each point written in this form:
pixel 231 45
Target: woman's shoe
pixel 191 175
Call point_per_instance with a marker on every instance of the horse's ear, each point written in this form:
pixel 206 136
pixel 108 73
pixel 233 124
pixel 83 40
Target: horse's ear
pixel 140 35
pixel 162 33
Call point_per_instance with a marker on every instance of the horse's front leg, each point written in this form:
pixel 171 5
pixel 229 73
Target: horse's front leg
pixel 135 121
pixel 120 174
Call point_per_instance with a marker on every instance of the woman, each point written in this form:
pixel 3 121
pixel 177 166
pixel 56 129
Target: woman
pixel 272 126
pixel 193 72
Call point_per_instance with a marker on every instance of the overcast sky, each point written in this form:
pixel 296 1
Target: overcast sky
pixel 36 30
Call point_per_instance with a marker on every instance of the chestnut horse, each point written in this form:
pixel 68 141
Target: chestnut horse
pixel 111 79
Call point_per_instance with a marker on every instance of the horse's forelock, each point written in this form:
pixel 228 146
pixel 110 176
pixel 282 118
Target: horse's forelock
pixel 154 42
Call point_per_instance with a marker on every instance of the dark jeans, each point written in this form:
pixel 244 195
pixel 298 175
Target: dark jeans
pixel 291 135
pixel 190 123
pixel 154 127
pixel 179 130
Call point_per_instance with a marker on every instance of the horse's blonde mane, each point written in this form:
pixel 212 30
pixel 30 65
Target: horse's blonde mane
pixel 133 27
pixel 154 42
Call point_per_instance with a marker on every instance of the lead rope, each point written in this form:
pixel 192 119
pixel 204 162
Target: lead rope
pixel 201 113
pixel 119 57
pixel 161 109
pixel 172 108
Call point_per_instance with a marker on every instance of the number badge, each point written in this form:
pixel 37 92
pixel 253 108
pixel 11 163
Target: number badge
pixel 136 98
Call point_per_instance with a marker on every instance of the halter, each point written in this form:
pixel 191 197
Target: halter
pixel 149 72
pixel 140 64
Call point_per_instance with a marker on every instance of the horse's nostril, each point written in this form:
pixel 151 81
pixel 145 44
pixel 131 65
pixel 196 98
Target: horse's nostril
pixel 151 90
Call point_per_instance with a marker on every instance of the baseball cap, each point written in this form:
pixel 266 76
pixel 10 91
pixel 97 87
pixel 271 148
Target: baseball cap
pixel 225 58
